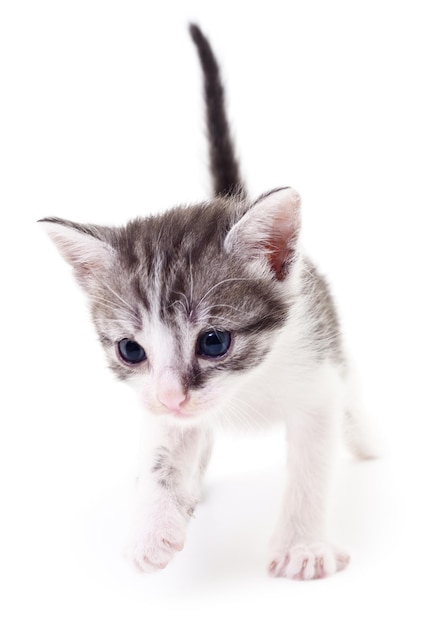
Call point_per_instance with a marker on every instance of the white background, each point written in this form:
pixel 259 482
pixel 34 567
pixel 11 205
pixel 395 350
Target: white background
pixel 102 119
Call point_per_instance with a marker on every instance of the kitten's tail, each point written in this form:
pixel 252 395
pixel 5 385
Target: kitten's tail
pixel 223 162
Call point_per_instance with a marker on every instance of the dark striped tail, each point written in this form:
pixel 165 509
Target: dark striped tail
pixel 223 163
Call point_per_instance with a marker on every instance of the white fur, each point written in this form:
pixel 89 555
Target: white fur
pixel 279 211
pixel 159 523
pixel 310 397
pixel 293 384
pixel 78 248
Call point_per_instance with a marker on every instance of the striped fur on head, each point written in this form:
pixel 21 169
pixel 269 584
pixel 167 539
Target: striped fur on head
pixel 228 265
pixel 162 281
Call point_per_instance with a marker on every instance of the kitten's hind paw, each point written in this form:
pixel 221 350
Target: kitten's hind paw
pixel 308 562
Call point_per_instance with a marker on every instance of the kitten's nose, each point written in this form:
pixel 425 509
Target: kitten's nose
pixel 172 397
pixel 170 392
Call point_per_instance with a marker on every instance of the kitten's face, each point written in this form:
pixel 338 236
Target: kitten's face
pixel 187 303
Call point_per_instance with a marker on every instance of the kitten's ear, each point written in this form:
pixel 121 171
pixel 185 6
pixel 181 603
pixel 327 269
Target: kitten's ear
pixel 83 246
pixel 270 228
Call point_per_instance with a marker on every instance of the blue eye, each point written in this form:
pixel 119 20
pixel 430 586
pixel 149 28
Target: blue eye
pixel 214 343
pixel 131 352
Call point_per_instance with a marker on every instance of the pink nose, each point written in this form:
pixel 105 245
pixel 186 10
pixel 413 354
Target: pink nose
pixel 170 391
pixel 172 398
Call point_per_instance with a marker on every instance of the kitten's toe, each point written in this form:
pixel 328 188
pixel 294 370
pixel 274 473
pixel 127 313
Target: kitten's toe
pixel 143 563
pixel 308 562
pixel 149 555
pixel 155 541
pixel 173 545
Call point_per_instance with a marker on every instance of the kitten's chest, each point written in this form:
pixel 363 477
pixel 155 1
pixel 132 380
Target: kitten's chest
pixel 282 389
pixel 266 396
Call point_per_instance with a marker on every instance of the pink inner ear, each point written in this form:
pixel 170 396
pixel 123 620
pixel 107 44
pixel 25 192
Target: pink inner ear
pixel 280 245
pixel 276 257
pixel 271 228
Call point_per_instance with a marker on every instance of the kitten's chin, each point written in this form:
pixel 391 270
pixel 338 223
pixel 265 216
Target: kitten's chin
pixel 186 417
pixel 185 420
pixel 189 414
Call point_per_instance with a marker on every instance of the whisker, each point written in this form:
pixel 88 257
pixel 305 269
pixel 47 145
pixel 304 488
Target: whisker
pixel 179 302
pixel 224 319
pixel 179 293
pixel 104 301
pixel 248 419
pixel 129 306
pixel 109 319
pixel 224 417
pixel 214 306
pixel 190 273
pixel 241 417
pixel 226 280
pixel 250 407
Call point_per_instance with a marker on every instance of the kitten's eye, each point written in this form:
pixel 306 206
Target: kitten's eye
pixel 214 343
pixel 131 352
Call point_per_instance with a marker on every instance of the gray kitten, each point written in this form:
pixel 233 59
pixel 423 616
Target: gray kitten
pixel 213 313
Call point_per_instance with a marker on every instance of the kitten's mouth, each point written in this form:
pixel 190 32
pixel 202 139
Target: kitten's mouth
pixel 182 413
pixel 186 414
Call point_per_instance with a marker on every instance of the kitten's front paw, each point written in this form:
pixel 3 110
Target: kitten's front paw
pixel 306 562
pixel 156 538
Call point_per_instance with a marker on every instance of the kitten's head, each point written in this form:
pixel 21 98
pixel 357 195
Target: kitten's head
pixel 187 303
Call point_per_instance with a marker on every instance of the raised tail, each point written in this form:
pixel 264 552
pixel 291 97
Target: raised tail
pixel 223 163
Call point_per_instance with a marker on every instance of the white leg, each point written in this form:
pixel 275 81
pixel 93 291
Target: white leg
pixel 168 487
pixel 300 548
pixel 361 438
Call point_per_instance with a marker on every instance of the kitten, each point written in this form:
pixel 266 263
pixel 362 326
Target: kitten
pixel 213 313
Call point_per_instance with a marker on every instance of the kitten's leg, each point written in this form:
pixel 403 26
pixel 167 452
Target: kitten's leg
pixel 168 489
pixel 358 435
pixel 299 547
pixel 361 438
